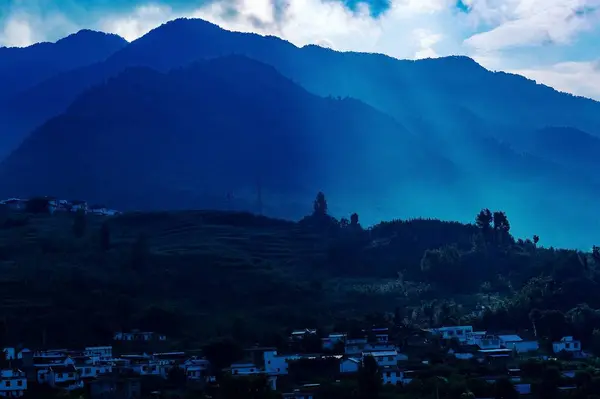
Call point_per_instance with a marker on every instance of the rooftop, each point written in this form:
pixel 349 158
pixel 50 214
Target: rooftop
pixel 510 338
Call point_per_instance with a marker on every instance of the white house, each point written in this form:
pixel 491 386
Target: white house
pixel 388 358
pixel 138 336
pixel 381 334
pixel 474 337
pixel 98 353
pixel 97 369
pixel 488 342
pixel 245 369
pixel 567 344
pixel 517 343
pixel 57 376
pixel 392 376
pixel 459 332
pixel 355 346
pixel 196 369
pixel 350 365
pixel 330 341
pixel 13 383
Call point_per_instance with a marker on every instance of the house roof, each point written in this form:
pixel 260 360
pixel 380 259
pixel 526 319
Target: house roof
pixel 510 338
pixel 63 369
pixel 383 353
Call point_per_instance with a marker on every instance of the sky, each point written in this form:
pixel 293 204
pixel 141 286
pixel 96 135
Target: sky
pixel 555 42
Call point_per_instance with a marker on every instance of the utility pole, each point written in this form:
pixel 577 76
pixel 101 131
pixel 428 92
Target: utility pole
pixel 259 201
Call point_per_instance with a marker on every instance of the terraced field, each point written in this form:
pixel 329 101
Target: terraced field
pixel 204 267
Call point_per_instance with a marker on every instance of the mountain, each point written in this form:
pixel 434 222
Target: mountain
pixel 24 68
pixel 485 123
pixel 408 90
pixel 193 136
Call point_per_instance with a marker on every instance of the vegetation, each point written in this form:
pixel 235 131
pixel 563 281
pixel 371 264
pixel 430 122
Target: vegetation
pixel 200 275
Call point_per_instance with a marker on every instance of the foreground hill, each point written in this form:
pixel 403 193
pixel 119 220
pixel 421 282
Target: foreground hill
pixel 221 129
pixel 487 124
pixel 195 275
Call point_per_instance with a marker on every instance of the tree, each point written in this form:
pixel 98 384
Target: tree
pixel 79 224
pixel 501 227
pixel 504 389
pixel 483 220
pixel 223 353
pixel 354 220
pixel 344 223
pixel 369 380
pixel 320 205
pixel 38 205
pixel 596 253
pixel 105 236
pixel 536 239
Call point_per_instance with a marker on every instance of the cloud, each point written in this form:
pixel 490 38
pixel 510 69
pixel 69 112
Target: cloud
pixel 582 78
pixel 531 22
pixel 22 28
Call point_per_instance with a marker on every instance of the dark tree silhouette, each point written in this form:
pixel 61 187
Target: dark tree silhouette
pixel 369 379
pixel 504 389
pixel 354 220
pixel 536 239
pixel 320 205
pixel 483 220
pixel 38 205
pixel 105 236
pixel 79 224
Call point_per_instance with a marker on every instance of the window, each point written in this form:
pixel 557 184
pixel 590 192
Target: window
pixel 568 346
pixel 60 375
pixel 388 374
pixel 20 383
pixel 7 383
pixel 459 332
pixel 70 375
pixel 576 345
pixel 87 370
pixel 450 332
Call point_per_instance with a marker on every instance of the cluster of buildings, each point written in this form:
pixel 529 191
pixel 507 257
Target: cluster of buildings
pixel 105 373
pixel 97 369
pixel 60 205
pixel 481 344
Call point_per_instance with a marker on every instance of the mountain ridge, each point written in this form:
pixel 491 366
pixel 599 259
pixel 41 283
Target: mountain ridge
pixel 475 118
pixel 286 126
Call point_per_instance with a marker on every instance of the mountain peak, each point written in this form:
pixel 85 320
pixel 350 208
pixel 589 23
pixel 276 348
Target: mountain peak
pixel 90 36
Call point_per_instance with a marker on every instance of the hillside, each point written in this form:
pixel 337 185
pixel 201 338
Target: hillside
pixel 195 275
pixel 24 68
pixel 472 117
pixel 224 128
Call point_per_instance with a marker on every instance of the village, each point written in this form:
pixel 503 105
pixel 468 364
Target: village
pixel 52 205
pixel 112 371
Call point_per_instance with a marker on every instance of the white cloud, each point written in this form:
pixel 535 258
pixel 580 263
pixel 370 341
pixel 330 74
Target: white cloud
pixel 531 22
pixel 17 32
pixel 582 78
pixel 20 29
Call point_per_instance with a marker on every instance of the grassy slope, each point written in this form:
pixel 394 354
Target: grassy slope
pixel 204 267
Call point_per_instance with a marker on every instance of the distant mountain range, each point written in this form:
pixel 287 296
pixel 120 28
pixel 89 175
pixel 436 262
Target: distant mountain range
pixel 183 117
